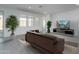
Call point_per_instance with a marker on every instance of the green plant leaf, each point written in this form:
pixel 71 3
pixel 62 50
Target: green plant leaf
pixel 12 23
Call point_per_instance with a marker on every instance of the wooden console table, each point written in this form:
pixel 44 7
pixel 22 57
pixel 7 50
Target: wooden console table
pixel 65 31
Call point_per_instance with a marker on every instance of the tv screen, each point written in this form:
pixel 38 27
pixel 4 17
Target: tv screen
pixel 64 24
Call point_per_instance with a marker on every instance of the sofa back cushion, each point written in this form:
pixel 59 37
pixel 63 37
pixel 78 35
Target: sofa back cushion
pixel 42 41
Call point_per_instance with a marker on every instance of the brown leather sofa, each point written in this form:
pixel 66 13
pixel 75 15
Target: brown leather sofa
pixel 45 43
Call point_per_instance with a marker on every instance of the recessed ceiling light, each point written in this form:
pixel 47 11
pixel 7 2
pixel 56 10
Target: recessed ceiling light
pixel 77 4
pixel 29 7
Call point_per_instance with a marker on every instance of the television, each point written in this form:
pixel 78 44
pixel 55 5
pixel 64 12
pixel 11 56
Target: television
pixel 64 24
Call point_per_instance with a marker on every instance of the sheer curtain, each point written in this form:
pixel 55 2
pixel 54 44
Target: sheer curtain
pixel 1 22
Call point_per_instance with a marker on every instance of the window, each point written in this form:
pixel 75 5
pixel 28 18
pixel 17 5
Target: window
pixel 22 22
pixel 44 23
pixel 1 22
pixel 30 21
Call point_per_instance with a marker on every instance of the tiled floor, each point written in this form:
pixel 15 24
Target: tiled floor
pixel 70 49
pixel 19 46
pixel 16 47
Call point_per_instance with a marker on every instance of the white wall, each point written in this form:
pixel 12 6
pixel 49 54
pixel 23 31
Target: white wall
pixel 20 30
pixel 73 16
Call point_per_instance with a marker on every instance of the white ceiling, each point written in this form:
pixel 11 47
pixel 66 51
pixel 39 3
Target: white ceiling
pixel 43 8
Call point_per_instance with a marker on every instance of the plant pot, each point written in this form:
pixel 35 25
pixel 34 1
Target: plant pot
pixel 48 30
pixel 12 37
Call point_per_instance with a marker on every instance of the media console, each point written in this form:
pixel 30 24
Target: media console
pixel 65 31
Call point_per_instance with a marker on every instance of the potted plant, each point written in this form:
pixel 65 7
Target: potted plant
pixel 12 23
pixel 49 23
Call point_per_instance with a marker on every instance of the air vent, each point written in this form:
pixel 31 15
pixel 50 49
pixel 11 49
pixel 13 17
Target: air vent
pixel 40 6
